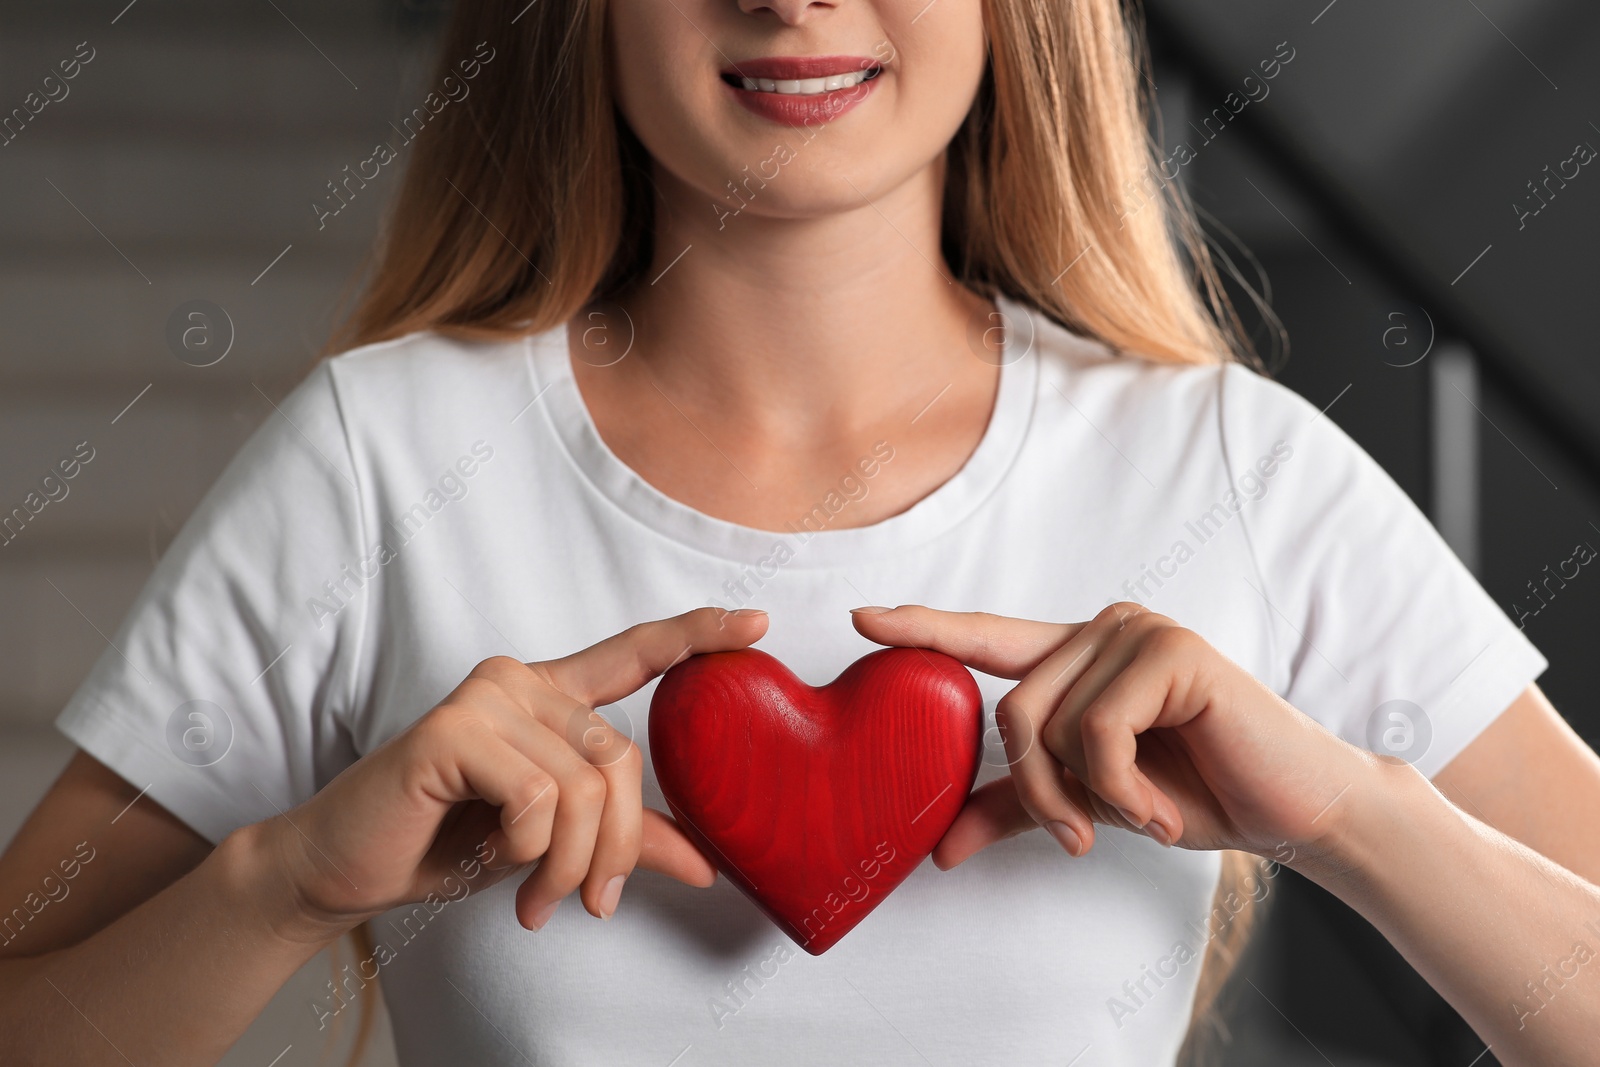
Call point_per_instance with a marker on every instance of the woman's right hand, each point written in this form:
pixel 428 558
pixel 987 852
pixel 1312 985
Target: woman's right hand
pixel 513 766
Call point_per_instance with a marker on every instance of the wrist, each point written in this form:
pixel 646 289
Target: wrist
pixel 256 870
pixel 1388 808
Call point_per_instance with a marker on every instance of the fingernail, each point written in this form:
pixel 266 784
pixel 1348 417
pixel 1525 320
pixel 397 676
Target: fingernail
pixel 871 610
pixel 748 611
pixel 542 916
pixel 1066 836
pixel 1158 833
pixel 610 895
pixel 1137 822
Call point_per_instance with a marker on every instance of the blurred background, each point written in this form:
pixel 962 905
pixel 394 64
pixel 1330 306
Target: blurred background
pixel 1407 180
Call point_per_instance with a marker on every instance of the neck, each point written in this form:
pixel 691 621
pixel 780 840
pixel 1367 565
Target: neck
pixel 798 328
pixel 776 353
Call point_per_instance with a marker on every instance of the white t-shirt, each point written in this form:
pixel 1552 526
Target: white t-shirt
pixel 422 504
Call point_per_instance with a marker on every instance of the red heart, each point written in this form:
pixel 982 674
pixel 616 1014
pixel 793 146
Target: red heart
pixel 817 802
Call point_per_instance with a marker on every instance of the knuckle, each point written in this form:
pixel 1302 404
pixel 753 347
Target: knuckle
pixel 1129 615
pixel 1117 612
pixel 536 788
pixel 1140 622
pixel 1012 708
pixel 1057 738
pixel 1018 732
pixel 602 746
pixel 449 721
pixel 1150 621
pixel 587 786
pixel 631 759
pixel 1172 640
pixel 640 630
pixel 541 677
pixel 1098 726
pixel 704 618
pixel 477 689
pixel 497 668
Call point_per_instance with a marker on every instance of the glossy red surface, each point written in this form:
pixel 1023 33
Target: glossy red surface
pixel 816 802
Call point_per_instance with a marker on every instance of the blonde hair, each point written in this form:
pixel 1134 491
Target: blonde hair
pixel 1054 197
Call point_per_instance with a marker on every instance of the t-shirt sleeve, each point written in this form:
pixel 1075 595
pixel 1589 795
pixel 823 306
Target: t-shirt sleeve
pixel 226 690
pixel 1381 632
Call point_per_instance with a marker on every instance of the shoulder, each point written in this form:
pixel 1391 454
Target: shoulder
pixel 1082 367
pixel 425 370
pixel 424 398
pixel 1090 375
pixel 1165 419
pixel 1224 412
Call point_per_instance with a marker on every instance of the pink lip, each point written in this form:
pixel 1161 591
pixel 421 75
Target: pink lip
pixel 793 68
pixel 813 109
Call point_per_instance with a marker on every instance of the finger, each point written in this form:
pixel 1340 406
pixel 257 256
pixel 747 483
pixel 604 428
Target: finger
pixel 606 672
pixel 625 830
pixel 1039 781
pixel 574 829
pixel 1093 748
pixel 1133 702
pixel 992 813
pixel 667 850
pixel 478 763
pixel 1048 791
pixel 994 644
pixel 621 832
pixel 1090 661
pixel 530 714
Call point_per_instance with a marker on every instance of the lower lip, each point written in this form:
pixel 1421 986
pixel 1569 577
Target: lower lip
pixel 813 109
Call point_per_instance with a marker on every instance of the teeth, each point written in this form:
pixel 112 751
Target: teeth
pixel 805 86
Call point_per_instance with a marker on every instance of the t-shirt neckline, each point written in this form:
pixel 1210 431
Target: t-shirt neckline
pixel 801 545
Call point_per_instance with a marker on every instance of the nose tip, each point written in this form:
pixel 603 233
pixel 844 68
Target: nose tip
pixel 789 12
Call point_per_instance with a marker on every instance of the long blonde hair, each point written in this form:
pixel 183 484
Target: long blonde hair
pixel 529 198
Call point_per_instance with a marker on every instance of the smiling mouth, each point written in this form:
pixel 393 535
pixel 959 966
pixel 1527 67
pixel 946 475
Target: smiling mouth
pixel 804 86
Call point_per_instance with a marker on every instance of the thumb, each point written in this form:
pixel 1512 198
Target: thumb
pixel 994 812
pixel 666 850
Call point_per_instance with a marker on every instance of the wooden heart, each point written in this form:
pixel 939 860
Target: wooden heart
pixel 816 802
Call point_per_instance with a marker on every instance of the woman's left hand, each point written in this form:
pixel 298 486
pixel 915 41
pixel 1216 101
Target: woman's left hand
pixel 1133 721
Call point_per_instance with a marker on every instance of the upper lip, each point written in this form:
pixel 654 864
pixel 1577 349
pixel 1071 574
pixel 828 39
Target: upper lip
pixel 794 68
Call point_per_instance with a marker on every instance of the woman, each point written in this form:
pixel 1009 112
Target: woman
pixel 735 314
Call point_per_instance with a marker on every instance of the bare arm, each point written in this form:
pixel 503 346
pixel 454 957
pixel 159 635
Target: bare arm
pixel 1529 935
pixel 1131 721
pixel 1505 934
pixel 151 923
pixel 138 943
pixel 1529 775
